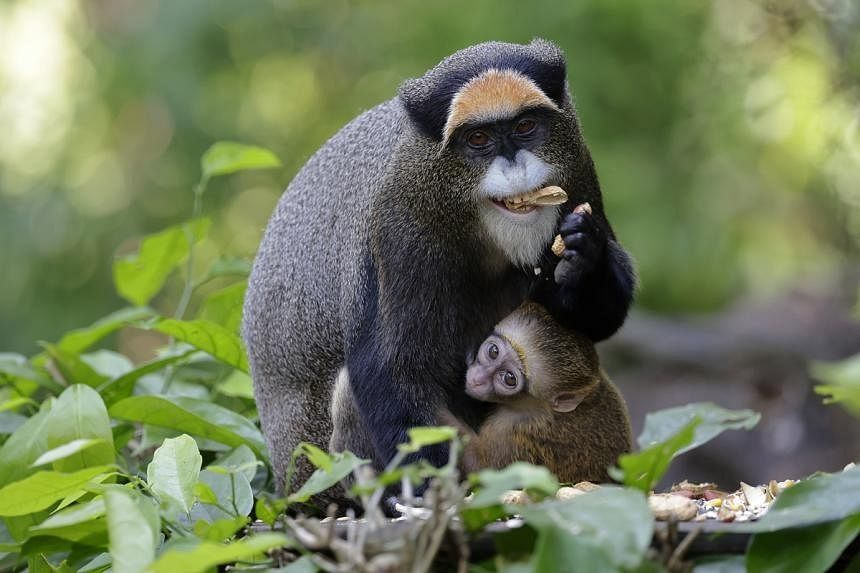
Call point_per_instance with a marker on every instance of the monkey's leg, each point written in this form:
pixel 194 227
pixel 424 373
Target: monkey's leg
pixel 391 402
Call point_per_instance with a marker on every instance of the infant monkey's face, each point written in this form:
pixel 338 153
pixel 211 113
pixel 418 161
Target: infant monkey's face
pixel 496 373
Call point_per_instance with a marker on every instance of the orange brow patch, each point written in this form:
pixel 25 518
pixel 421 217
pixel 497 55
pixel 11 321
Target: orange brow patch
pixel 493 95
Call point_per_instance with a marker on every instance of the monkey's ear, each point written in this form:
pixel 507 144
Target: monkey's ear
pixel 427 108
pixel 567 401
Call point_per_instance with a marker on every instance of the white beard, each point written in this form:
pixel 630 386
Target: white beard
pixel 522 238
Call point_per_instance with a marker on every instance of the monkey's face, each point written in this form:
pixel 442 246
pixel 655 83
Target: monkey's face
pixel 507 154
pixel 502 113
pixel 496 373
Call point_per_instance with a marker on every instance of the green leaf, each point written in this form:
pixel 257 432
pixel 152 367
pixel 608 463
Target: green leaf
pixel 207 336
pixel 97 565
pixel 72 368
pixel 237 384
pixel 66 450
pixel 173 471
pixel 614 522
pixel 301 565
pixel 226 157
pixel 269 510
pixel 121 387
pixel 24 446
pixel 208 554
pixel 535 480
pixel 15 369
pixel 555 545
pixel 343 463
pixel 78 340
pixel 227 267
pixel 92 486
pixel 822 498
pixel 140 276
pixel 421 437
pixel 43 489
pixel 204 493
pixel 644 469
pixel 195 417
pixel 15 403
pixel 10 421
pixel 240 459
pixel 315 456
pixel 132 539
pixel 661 425
pixel 720 564
pixel 75 515
pixel 801 550
pixel 233 492
pixel 79 413
pixel 224 307
pixel 842 382
pixel 76 523
pixel 219 530
pixel 108 363
pixel 39 563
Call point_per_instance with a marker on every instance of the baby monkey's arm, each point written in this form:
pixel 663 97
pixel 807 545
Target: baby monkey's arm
pixel 474 444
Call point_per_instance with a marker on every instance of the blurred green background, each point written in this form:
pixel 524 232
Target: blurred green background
pixel 726 133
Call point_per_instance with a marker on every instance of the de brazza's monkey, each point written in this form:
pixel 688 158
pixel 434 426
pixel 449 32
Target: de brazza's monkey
pixel 395 250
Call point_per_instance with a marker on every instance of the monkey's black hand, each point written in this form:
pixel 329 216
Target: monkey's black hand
pixel 593 282
pixel 584 247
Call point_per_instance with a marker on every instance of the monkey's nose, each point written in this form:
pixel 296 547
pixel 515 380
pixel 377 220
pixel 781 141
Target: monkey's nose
pixel 475 379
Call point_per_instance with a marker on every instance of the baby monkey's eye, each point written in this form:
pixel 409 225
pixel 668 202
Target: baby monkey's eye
pixel 509 379
pixel 492 351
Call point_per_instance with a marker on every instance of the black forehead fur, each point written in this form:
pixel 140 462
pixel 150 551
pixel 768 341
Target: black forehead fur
pixel 428 98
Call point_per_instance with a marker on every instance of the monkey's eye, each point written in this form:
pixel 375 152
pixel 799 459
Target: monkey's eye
pixel 492 351
pixel 478 139
pixel 525 127
pixel 509 379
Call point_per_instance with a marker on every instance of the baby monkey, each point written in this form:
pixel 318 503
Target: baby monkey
pixel 556 406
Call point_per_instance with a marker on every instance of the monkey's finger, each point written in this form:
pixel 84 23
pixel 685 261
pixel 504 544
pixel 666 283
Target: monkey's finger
pixel 580 261
pixel 582 244
pixel 583 208
pixel 579 222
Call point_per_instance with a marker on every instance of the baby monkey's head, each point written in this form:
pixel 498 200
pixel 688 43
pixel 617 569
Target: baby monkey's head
pixel 532 361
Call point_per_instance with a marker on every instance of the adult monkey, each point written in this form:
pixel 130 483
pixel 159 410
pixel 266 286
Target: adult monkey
pixel 393 251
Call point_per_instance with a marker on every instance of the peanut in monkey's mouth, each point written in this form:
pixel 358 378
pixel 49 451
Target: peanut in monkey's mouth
pixel 512 206
pixel 531 200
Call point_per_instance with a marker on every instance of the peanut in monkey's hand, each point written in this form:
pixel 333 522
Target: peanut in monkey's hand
pixel 558 243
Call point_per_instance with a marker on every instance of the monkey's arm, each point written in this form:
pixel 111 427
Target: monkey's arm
pixel 472 458
pixel 592 286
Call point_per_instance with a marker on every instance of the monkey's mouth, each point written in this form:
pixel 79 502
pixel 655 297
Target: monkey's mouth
pixel 531 200
pixel 517 205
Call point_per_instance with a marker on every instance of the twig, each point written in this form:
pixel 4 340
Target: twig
pixel 675 562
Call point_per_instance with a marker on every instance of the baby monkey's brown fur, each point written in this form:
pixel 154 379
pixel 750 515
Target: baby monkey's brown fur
pixel 557 407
